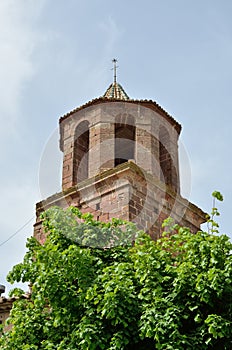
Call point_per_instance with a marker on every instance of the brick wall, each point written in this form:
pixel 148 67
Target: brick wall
pixel 129 193
pixel 113 124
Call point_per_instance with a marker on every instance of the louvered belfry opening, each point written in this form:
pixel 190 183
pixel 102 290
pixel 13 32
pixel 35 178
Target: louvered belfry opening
pixel 81 152
pixel 124 139
pixel 167 168
pixel 124 143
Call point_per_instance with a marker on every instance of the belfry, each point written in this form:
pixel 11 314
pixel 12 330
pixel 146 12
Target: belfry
pixel 120 159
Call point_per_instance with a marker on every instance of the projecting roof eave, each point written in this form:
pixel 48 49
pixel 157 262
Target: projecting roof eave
pixel 146 103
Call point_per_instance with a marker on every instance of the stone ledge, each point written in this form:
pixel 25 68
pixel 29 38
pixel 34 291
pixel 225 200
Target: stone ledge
pixel 102 184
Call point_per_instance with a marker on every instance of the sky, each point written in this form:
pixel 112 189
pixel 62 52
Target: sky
pixel 56 56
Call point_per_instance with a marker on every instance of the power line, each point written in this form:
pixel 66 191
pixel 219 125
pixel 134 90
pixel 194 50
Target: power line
pixel 20 229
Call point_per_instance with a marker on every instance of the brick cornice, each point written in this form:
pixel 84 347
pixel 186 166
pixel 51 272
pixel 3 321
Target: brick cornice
pixel 145 103
pixel 121 171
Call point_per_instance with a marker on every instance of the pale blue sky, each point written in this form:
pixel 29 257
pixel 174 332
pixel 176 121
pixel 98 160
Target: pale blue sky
pixel 56 55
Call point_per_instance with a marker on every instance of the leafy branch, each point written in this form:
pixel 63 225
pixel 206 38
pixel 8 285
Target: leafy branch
pixel 213 226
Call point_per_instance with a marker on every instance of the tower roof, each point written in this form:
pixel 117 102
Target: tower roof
pixel 145 103
pixel 116 91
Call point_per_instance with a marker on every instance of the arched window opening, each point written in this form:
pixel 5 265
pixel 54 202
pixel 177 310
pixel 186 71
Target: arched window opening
pixel 124 139
pixel 81 152
pixel 165 157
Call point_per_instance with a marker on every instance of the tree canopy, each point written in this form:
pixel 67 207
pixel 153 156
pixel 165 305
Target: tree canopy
pixel 109 286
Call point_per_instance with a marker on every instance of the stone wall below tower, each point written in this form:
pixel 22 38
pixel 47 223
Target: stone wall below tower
pixel 5 308
pixel 129 193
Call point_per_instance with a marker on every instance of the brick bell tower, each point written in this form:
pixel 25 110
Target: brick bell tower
pixel 120 159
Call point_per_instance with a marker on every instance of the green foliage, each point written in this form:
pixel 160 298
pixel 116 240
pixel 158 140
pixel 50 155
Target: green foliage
pixel 175 293
pixel 213 226
pixel 217 195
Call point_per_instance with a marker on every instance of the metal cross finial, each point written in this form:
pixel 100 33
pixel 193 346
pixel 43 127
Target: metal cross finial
pixel 114 60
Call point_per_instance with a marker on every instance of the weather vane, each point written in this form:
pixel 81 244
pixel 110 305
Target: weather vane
pixel 114 60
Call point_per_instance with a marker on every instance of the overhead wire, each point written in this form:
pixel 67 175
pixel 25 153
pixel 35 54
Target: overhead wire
pixel 18 231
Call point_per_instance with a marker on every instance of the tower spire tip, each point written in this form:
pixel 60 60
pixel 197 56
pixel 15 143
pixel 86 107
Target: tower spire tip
pixel 114 60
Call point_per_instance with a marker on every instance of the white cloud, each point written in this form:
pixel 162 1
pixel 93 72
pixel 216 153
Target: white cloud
pixel 18 40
